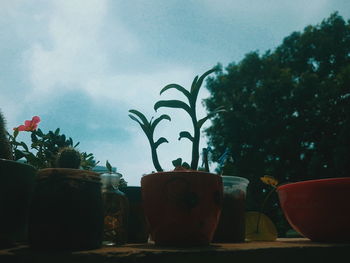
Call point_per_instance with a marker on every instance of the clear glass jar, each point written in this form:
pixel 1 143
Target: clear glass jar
pixel 116 210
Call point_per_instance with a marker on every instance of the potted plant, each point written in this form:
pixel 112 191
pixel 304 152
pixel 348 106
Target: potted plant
pixel 17 182
pixel 67 210
pixel 182 206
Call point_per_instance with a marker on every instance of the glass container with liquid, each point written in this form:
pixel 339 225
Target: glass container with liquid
pixel 116 210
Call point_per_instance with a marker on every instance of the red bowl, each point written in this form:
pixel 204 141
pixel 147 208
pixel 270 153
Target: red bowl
pixel 318 209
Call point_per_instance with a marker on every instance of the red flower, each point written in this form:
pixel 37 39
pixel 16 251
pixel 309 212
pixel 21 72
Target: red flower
pixel 29 125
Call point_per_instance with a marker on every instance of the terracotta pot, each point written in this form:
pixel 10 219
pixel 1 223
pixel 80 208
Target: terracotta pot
pixel 182 207
pixel 16 187
pixel 67 210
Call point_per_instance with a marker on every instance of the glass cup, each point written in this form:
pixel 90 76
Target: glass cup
pixel 231 226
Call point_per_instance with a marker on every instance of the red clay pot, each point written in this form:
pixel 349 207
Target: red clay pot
pixel 182 207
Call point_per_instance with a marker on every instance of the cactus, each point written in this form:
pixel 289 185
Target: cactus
pixel 68 157
pixel 5 147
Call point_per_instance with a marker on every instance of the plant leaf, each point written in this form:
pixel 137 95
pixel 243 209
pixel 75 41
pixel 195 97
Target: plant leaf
pixel 266 231
pixel 214 112
pixel 186 165
pixel 145 129
pixel 178 87
pixel 172 104
pixel 24 146
pixel 135 119
pixel 15 133
pixel 159 119
pixel 177 162
pixel 186 134
pixel 109 166
pixel 197 86
pixel 194 83
pixel 160 141
pixel 141 117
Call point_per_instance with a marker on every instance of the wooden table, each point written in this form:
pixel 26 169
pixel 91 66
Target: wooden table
pixel 296 250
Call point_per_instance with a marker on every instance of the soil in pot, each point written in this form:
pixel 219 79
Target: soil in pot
pixel 67 211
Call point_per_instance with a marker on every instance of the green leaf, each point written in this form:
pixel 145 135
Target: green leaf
pixel 146 129
pixel 19 154
pixel 24 146
pixel 141 117
pixel 186 165
pixel 214 112
pixel 15 133
pixel 197 86
pixel 172 104
pixel 159 119
pixel 160 141
pixel 135 119
pixel 186 134
pixel 109 166
pixel 194 83
pixel 39 132
pixel 178 87
pixel 57 131
pixel 34 138
pixel 177 162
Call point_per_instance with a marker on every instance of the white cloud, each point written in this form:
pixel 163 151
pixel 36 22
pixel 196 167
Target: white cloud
pixel 77 53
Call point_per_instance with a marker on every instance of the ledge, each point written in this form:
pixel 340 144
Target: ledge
pixel 297 250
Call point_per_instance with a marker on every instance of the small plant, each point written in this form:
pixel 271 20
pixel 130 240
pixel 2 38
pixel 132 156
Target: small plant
pixel 68 157
pixel 148 128
pixel 190 107
pixel 5 147
pixel 42 153
pixel 122 182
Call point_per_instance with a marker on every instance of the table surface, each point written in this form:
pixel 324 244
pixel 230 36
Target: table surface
pixel 282 250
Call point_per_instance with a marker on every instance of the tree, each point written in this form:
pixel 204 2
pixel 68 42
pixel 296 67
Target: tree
pixel 288 110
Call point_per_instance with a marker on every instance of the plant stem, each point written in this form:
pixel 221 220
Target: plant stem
pixel 262 208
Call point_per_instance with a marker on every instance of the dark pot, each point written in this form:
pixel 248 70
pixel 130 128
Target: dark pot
pixel 16 187
pixel 137 226
pixel 67 211
pixel 182 207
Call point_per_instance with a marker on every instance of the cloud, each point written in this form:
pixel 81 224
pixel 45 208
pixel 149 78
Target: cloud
pixel 77 52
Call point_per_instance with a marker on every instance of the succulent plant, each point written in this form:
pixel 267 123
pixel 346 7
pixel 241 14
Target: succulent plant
pixel 190 107
pixel 148 128
pixel 68 157
pixel 5 147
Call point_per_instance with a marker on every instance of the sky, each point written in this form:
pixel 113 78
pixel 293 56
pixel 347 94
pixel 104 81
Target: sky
pixel 82 64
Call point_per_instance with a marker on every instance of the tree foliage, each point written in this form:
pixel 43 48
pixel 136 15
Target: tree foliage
pixel 288 110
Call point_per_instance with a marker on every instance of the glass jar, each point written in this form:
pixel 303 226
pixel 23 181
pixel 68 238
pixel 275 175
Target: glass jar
pixel 231 226
pixel 116 210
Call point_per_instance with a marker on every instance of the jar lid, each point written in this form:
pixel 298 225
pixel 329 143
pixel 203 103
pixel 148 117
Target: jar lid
pixel 110 180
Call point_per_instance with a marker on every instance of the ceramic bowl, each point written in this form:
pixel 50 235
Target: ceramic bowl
pixel 318 209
